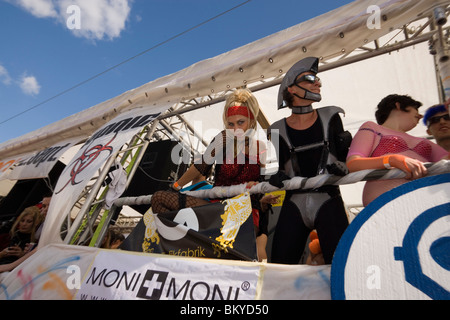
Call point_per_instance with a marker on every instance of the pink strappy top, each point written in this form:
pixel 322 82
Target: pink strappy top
pixel 373 140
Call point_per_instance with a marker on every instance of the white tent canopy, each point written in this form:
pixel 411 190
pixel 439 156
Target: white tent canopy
pixel 332 35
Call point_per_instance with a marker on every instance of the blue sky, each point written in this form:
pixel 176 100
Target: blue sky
pixel 41 57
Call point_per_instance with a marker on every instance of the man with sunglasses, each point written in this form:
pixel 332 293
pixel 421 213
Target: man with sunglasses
pixel 437 120
pixel 311 142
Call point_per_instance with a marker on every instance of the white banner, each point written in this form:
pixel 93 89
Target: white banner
pixel 7 165
pixel 90 158
pixel 35 164
pixel 58 271
pixel 118 276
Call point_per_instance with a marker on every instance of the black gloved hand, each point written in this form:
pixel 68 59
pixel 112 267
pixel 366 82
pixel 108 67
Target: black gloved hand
pixel 277 179
pixel 338 168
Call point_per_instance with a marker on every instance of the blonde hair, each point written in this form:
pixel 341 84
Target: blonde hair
pixel 242 97
pixel 29 211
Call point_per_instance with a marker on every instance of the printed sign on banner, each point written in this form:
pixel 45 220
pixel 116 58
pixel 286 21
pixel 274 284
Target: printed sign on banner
pixel 116 275
pixel 222 230
pixel 38 164
pixel 398 246
pixel 6 166
pixel 84 165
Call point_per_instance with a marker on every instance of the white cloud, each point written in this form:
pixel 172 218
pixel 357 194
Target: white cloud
pixel 39 8
pixel 29 85
pixel 4 75
pixel 100 19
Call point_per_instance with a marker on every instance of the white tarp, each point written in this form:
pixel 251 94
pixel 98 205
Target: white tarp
pixel 57 272
pixel 326 36
pixel 36 164
pixel 104 143
pixel 121 275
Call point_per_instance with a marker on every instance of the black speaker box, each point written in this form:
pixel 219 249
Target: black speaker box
pixel 156 172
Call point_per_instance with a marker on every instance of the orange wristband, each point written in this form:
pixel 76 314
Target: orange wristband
pixel 176 186
pixel 386 163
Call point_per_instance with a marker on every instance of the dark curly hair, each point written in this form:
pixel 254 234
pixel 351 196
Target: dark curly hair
pixel 388 103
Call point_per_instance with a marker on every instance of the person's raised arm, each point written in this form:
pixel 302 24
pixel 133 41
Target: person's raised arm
pixel 413 168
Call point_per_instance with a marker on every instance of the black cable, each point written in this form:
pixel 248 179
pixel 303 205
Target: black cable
pixel 125 61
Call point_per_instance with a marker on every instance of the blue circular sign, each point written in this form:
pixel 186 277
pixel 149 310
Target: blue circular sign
pixel 398 247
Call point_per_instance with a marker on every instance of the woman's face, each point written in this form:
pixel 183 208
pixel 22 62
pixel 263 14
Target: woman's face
pixel 412 118
pixel 25 224
pixel 239 124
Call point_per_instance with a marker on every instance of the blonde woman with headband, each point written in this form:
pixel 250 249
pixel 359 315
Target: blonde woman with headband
pixel 238 157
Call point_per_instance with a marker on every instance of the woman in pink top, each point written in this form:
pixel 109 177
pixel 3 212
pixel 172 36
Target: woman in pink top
pixel 387 145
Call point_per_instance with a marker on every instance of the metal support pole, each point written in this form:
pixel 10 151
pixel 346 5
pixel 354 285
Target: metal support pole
pixel 441 48
pixel 130 176
pixel 98 183
pixel 90 198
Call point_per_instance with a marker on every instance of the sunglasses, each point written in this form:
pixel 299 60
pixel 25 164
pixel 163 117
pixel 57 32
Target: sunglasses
pixel 308 77
pixel 437 119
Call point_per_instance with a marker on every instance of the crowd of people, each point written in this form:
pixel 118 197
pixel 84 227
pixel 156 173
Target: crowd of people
pixel 312 141
pixel 20 236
